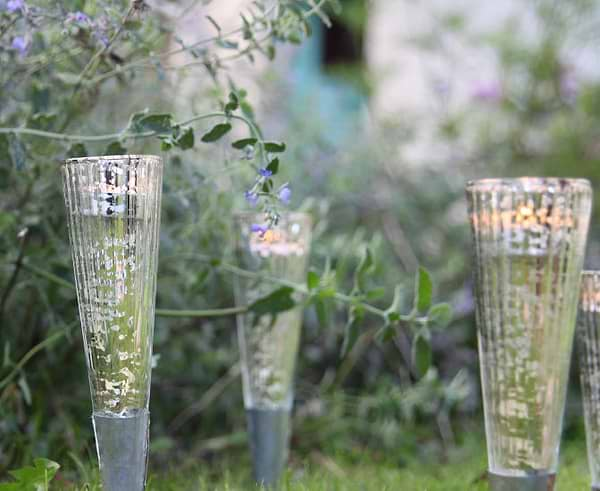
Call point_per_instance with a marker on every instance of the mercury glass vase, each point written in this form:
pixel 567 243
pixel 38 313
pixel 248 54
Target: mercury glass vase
pixel 529 238
pixel 588 341
pixel 269 344
pixel 113 211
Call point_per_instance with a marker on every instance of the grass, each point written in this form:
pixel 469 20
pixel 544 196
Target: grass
pixel 464 469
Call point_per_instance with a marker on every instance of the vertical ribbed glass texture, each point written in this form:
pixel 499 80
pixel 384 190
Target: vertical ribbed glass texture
pixel 113 211
pixel 588 341
pixel 269 346
pixel 529 239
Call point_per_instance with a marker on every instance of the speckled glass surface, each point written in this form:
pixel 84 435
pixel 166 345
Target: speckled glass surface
pixel 588 341
pixel 269 346
pixel 529 238
pixel 113 206
pixel 113 211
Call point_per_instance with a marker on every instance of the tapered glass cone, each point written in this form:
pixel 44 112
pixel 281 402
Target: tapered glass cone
pixel 113 211
pixel 269 346
pixel 529 239
pixel 588 340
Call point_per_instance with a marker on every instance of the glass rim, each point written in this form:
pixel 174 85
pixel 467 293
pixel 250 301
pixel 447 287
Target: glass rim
pixel 485 183
pixel 590 273
pixel 97 158
pixel 241 216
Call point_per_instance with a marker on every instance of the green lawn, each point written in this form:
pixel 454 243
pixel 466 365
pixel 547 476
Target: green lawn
pixel 463 470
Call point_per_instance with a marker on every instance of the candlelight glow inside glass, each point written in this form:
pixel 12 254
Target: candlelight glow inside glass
pixel 588 337
pixel 269 345
pixel 529 239
pixel 113 210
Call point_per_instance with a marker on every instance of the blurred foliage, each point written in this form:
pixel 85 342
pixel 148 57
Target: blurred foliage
pixel 378 216
pixel 77 78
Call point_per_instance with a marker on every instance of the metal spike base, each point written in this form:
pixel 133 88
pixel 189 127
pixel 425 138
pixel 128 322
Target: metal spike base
pixel 533 482
pixel 122 445
pixel 269 431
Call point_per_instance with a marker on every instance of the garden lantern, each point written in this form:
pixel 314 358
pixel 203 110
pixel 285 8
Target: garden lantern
pixel 269 342
pixel 529 239
pixel 113 209
pixel 588 341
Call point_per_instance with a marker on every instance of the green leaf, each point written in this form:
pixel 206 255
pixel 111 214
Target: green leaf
pixel 273 166
pixel 77 150
pixel 307 28
pixel 294 38
pixel 144 121
pixel 327 292
pixel 275 302
pixel 16 150
pixel 440 314
pixel 115 148
pixel 216 132
pixel 158 123
pixel 166 144
pixel 388 332
pixel 423 290
pixel 224 43
pixel 394 308
pixel 25 390
pixel 365 266
pixel 32 478
pixel 214 23
pixel 375 293
pixel 247 109
pixel 275 147
pixel 4 153
pixel 243 143
pixel 312 280
pixel 42 121
pixel 421 353
pixel 233 103
pixel 186 140
pixel 247 30
pixel 322 312
pixel 352 331
pixel 271 52
pixel 267 186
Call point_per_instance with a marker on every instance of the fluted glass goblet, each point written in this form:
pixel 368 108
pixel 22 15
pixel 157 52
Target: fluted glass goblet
pixel 529 238
pixel 113 212
pixel 588 341
pixel 269 344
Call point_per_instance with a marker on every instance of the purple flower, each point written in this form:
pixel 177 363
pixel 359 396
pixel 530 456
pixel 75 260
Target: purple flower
pixel 14 5
pixel 261 229
pixel 569 86
pixel 101 37
pixel 78 17
pixel 490 91
pixel 81 17
pixel 285 194
pixel 20 45
pixel 251 197
pixel 441 87
pixel 265 172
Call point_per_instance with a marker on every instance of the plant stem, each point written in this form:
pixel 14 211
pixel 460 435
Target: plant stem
pixel 339 297
pixel 41 345
pixel 94 59
pixel 57 280
pixel 114 136
pixel 149 61
pixel 201 313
